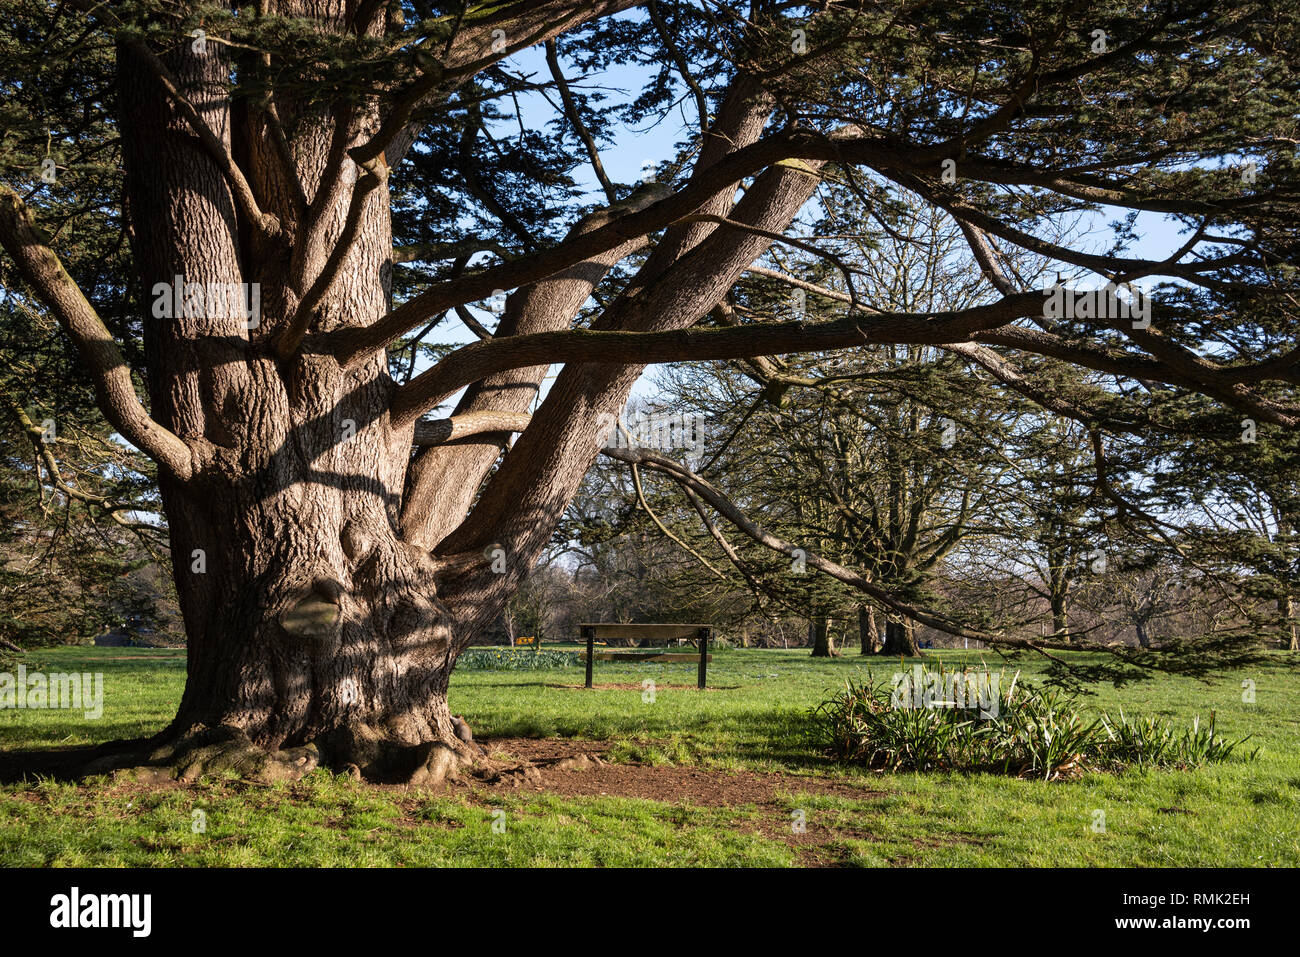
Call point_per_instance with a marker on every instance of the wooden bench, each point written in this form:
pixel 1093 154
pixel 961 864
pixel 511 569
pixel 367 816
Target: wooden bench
pixel 699 633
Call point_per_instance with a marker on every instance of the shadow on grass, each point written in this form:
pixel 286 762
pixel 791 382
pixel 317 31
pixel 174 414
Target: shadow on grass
pixel 61 764
pixel 31 737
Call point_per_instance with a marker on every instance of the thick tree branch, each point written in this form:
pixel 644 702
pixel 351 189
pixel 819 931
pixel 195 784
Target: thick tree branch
pixel 664 294
pixel 472 362
pixel 370 179
pixel 267 223
pixel 114 390
pixel 442 431
pixel 442 480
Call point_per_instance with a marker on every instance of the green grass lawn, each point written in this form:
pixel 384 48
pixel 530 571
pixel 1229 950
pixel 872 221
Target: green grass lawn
pixel 751 721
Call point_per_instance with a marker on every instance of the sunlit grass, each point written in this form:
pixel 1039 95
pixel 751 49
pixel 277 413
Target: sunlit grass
pixel 753 717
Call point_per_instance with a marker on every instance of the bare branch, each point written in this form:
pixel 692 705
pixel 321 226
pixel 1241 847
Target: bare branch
pixel 472 324
pixel 575 118
pixel 640 497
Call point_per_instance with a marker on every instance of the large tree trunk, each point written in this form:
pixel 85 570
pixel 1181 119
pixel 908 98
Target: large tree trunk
pixel 1290 626
pixel 327 631
pixel 309 622
pixel 1060 617
pixel 819 635
pixel 900 638
pixel 867 629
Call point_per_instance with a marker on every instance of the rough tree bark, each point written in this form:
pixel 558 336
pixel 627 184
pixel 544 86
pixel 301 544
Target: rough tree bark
pixel 900 638
pixel 308 620
pixel 867 629
pixel 819 636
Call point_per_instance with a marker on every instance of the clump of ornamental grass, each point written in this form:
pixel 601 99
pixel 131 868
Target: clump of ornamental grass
pixel 1150 741
pixel 976 720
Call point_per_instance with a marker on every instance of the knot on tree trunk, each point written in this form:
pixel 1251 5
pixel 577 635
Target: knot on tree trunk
pixel 317 614
pixel 357 543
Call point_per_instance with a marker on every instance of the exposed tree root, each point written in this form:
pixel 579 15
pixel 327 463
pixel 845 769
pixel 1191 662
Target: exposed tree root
pixel 206 751
pixel 193 754
pixel 361 752
pixel 379 755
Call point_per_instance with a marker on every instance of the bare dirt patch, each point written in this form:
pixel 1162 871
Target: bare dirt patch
pixel 702 787
pixel 572 768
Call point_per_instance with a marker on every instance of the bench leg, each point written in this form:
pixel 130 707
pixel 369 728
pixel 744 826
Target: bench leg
pixel 591 651
pixel 704 656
